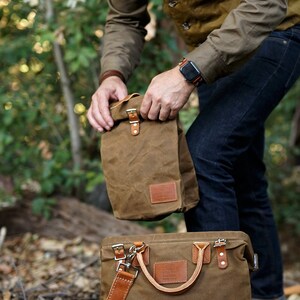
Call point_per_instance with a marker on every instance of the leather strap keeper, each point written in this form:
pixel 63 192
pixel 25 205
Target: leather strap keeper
pixel 145 255
pixel 207 254
pixel 134 121
pixel 222 257
pixel 110 73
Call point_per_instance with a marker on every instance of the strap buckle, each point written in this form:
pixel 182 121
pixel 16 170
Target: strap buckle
pixel 124 260
pixel 127 266
pixel 119 251
pixel 132 115
pixel 134 120
pixel 220 243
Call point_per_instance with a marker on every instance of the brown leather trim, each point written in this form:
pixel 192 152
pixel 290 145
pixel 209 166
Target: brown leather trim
pixel 207 254
pixel 126 99
pixel 145 254
pixel 163 192
pixel 170 271
pixel 222 257
pixel 183 287
pixel 134 122
pixel 121 285
pixel 119 253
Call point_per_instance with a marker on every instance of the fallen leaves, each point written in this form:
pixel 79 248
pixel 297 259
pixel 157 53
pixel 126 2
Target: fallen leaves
pixel 33 267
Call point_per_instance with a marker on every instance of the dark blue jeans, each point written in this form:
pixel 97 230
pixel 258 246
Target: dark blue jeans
pixel 226 142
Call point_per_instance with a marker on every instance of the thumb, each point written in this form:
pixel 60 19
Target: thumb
pixel 121 93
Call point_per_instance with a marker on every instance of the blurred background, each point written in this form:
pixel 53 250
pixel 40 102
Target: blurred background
pixel 50 166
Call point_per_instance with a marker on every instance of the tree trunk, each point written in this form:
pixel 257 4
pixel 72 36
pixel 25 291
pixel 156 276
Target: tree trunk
pixel 295 132
pixel 67 92
pixel 70 219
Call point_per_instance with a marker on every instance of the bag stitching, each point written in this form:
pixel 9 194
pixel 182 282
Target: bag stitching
pixel 113 288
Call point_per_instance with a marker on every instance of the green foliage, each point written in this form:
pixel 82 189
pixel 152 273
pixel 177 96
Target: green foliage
pixel 6 199
pixel 43 206
pixel 34 136
pixel 187 116
pixel 281 159
pixel 171 223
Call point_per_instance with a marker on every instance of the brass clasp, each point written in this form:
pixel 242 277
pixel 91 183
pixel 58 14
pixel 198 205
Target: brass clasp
pixel 134 121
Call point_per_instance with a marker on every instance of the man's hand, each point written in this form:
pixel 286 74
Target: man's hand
pixel 111 89
pixel 166 95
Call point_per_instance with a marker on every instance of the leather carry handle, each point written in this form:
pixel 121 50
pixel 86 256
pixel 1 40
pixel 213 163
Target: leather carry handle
pixel 201 247
pixel 126 99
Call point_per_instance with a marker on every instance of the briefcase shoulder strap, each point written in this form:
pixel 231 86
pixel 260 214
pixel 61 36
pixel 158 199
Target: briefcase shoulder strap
pixel 201 248
pixel 121 285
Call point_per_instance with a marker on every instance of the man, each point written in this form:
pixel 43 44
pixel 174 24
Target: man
pixel 244 57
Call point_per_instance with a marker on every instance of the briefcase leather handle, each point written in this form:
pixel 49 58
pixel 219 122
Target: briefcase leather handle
pixel 201 248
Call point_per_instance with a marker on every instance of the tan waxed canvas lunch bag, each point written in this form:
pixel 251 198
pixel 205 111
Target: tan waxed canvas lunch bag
pixel 183 266
pixel 147 166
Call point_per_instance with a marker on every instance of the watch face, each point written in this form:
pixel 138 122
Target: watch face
pixel 190 71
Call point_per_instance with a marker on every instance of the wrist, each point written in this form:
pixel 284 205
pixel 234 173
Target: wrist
pixel 110 73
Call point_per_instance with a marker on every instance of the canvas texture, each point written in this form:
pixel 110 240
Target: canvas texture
pixel 171 261
pixel 147 166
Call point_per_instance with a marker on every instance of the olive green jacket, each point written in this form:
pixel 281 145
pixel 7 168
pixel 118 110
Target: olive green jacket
pixel 221 34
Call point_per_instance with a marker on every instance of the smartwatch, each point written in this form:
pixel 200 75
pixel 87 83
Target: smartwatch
pixel 190 72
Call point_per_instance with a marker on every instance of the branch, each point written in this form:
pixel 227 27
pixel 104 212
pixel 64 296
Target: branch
pixel 2 236
pixel 295 130
pixel 19 280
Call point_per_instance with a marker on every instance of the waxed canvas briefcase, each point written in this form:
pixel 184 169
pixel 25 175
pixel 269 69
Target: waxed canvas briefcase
pixel 147 166
pixel 183 266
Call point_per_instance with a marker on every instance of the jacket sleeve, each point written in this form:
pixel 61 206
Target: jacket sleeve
pixel 241 33
pixel 124 35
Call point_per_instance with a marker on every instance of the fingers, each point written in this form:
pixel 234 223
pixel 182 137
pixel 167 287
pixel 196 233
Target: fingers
pixel 155 109
pixel 145 106
pixel 165 96
pixel 96 118
pixel 104 112
pixel 98 114
pixel 150 108
pixel 165 113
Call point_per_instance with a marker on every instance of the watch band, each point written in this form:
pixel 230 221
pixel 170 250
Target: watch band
pixel 190 72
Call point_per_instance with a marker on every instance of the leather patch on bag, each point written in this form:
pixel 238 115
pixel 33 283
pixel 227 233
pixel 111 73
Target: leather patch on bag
pixel 163 192
pixel 170 271
pixel 206 259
